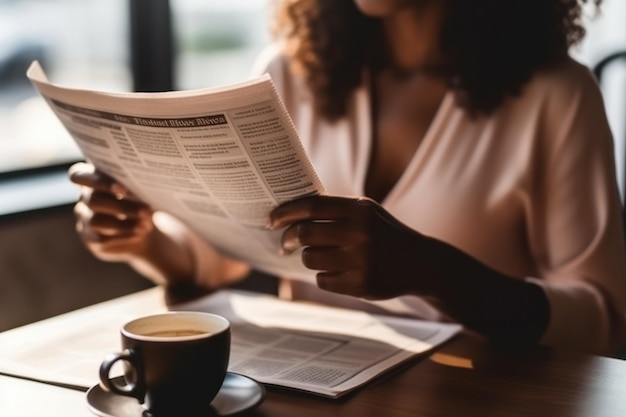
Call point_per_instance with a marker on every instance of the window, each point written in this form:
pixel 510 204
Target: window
pixel 80 42
pixel 86 43
pixel 606 35
pixel 217 41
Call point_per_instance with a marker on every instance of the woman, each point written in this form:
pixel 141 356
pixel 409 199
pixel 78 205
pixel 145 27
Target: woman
pixel 468 163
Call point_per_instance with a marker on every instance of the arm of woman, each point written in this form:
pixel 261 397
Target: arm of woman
pixel 575 223
pixel 362 251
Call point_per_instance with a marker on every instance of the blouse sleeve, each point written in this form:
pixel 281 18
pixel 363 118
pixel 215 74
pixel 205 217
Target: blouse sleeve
pixel 576 225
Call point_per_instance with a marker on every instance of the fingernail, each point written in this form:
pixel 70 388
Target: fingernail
pixel 118 189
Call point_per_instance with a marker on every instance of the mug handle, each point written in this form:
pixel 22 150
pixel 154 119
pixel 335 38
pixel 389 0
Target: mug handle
pixel 135 388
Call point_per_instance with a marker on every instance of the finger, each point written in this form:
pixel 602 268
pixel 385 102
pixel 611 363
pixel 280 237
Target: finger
pixel 92 224
pixel 112 226
pixel 103 228
pixel 110 248
pixel 341 282
pixel 318 233
pixel 94 235
pixel 313 208
pixel 332 259
pixel 106 203
pixel 86 174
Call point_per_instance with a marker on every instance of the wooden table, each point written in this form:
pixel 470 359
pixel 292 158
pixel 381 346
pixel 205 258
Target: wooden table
pixel 469 377
pixel 465 377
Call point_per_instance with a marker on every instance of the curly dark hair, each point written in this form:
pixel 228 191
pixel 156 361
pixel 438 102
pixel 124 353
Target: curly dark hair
pixel 491 47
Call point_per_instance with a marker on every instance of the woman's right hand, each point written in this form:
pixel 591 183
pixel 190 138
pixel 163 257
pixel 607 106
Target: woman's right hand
pixel 113 224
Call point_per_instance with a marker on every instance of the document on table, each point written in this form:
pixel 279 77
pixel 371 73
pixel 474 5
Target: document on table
pixel 318 349
pixel 218 159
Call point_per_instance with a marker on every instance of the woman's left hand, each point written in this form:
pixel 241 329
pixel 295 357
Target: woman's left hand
pixel 360 249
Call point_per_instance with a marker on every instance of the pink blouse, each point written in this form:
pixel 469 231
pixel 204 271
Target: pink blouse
pixel 529 190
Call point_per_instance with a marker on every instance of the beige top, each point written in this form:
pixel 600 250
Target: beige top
pixel 529 190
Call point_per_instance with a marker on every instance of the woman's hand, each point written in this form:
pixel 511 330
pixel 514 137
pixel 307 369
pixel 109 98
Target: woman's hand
pixel 364 252
pixel 112 223
pixel 360 249
pixel 116 226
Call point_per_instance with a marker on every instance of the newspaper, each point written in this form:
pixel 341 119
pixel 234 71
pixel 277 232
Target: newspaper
pixel 218 159
pixel 318 349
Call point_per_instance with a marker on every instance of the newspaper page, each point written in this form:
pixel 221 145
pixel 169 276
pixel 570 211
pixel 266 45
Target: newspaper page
pixel 318 349
pixel 217 159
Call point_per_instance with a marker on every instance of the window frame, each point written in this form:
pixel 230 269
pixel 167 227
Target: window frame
pixel 152 60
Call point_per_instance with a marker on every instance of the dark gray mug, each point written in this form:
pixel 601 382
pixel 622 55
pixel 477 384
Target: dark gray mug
pixel 174 363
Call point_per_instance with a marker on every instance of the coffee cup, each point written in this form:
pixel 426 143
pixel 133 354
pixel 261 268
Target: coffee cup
pixel 174 363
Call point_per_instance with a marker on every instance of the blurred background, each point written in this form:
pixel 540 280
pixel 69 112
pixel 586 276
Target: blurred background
pixel 86 43
pixel 143 45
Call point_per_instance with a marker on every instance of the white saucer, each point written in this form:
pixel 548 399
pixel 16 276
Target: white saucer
pixel 238 393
